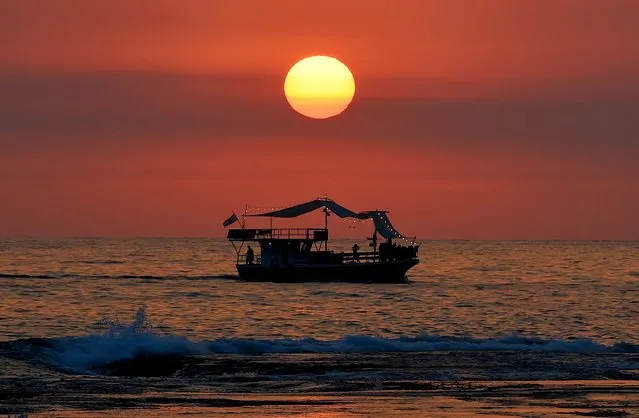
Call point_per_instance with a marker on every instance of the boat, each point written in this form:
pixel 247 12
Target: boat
pixel 292 255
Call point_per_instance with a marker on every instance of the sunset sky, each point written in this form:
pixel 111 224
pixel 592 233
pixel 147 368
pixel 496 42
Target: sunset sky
pixel 474 119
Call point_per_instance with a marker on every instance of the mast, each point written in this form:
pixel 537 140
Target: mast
pixel 326 221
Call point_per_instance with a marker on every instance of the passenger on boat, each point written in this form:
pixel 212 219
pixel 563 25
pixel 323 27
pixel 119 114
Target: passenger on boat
pixel 383 252
pixel 355 254
pixel 386 250
pixel 373 243
pixel 250 255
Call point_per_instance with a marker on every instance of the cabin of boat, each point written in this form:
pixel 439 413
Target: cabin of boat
pixel 302 254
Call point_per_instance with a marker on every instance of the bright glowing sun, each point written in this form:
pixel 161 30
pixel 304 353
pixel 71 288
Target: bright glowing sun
pixel 319 87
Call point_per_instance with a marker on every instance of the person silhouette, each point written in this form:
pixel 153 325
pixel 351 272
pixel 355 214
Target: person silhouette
pixel 250 255
pixel 355 254
pixel 383 251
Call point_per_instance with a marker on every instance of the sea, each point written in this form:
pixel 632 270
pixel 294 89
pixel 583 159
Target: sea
pixel 164 327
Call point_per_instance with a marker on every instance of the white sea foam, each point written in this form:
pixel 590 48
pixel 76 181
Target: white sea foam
pixel 422 342
pixel 127 342
pixel 120 342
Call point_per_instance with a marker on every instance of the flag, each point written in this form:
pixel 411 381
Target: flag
pixel 231 219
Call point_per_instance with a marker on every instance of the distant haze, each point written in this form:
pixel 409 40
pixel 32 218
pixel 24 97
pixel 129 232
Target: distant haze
pixel 472 119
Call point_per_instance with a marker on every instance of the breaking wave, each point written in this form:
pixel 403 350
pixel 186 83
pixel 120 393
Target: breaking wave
pixel 138 340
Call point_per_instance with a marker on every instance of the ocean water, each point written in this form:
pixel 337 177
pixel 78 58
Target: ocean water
pixel 164 323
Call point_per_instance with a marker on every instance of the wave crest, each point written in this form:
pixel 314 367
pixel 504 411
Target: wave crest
pixel 119 342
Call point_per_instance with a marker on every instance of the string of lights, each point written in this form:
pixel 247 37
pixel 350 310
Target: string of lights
pixel 397 234
pixel 261 208
pixel 354 222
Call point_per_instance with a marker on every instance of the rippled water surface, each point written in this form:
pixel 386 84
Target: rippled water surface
pixel 101 324
pixel 481 289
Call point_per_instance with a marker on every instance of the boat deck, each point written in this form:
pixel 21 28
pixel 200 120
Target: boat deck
pixel 340 258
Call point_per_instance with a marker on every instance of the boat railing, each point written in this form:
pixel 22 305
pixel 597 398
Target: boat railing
pixel 343 257
pixel 298 233
pixel 376 257
pixel 315 234
pixel 365 257
pixel 241 259
pixel 312 234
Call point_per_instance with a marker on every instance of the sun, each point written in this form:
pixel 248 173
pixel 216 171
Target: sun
pixel 319 87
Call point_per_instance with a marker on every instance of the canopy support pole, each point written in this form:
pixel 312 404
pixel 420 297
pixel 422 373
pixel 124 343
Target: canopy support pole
pixel 244 216
pixel 326 221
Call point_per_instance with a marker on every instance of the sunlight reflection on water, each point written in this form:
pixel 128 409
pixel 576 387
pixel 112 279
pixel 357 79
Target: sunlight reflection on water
pixel 484 289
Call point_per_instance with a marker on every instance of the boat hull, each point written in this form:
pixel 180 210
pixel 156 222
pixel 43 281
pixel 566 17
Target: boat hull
pixel 387 272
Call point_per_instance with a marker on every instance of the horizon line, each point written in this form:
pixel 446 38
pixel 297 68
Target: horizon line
pixel 149 237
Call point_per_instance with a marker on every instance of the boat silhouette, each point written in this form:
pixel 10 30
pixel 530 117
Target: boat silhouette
pixel 302 254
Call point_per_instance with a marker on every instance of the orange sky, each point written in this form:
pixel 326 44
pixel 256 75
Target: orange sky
pixel 472 119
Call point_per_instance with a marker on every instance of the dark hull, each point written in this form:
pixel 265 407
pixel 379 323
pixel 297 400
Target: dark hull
pixel 387 272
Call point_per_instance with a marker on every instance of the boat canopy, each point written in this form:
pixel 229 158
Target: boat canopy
pixel 380 219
